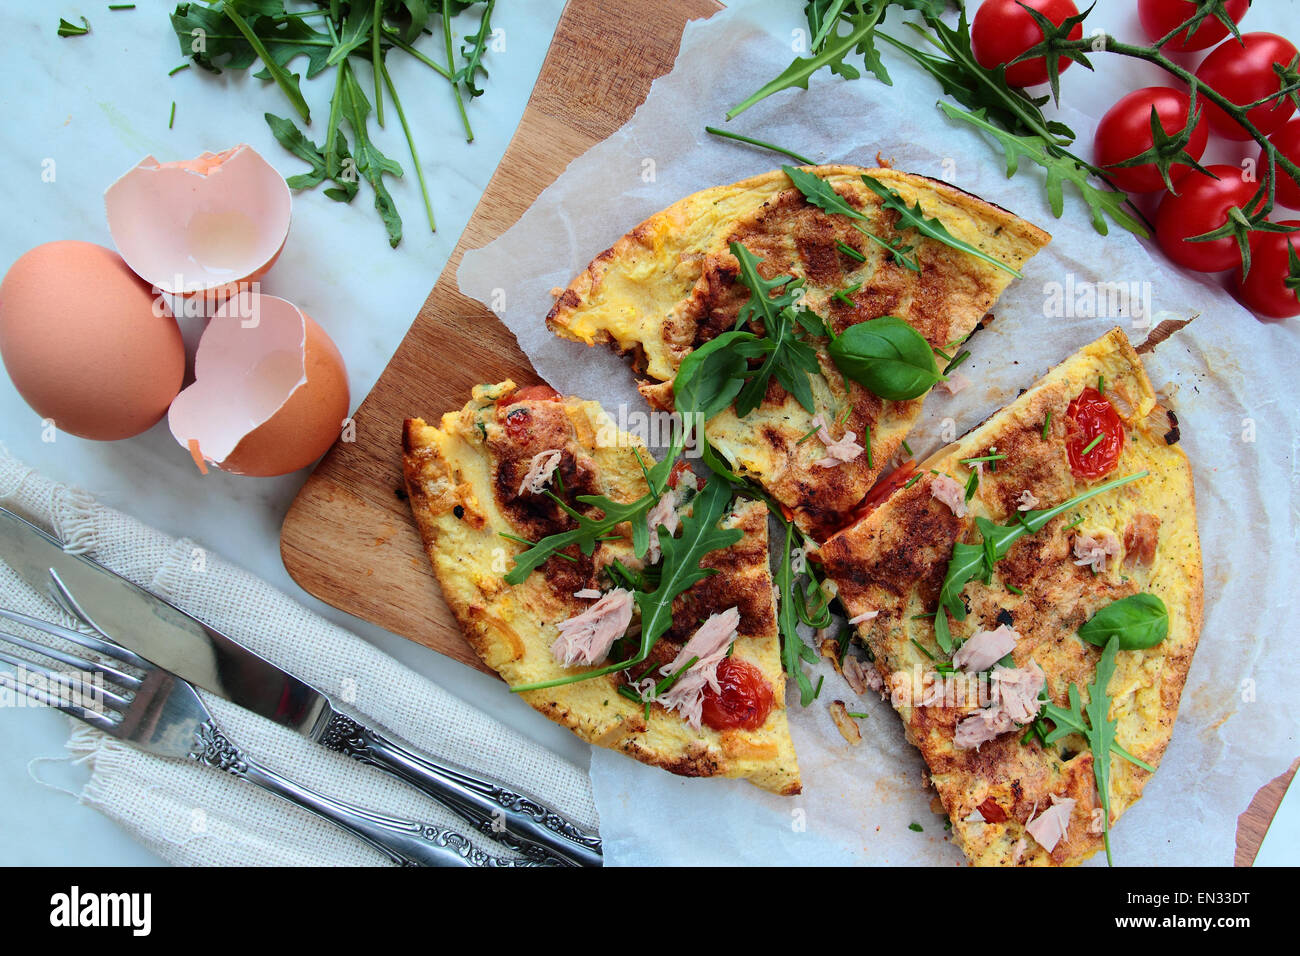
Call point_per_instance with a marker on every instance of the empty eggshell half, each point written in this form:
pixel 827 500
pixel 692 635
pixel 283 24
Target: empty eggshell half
pixel 200 226
pixel 270 393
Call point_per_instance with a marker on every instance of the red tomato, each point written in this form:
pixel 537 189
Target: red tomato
pixel 1245 74
pixel 535 393
pixel 1202 205
pixel 1003 29
pixel 1159 17
pixel 1091 417
pixel 1287 141
pixel 1125 131
pixel 745 700
pixel 1264 290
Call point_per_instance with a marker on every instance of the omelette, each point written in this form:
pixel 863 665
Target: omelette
pixel 1017 788
pixel 510 469
pixel 670 285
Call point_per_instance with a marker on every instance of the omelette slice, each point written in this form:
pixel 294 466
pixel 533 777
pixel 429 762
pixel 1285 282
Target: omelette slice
pixel 1012 797
pixel 468 483
pixel 670 285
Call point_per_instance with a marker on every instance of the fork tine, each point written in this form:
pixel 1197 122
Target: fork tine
pixel 72 660
pixel 70 680
pixel 106 724
pixel 98 645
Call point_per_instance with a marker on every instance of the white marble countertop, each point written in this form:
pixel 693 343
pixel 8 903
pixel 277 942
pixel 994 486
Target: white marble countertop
pixel 96 105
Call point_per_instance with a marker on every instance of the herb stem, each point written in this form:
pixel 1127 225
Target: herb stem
pixel 451 67
pixel 382 70
pixel 376 59
pixel 802 160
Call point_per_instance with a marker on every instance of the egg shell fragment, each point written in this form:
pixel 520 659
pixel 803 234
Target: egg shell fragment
pixel 86 342
pixel 203 225
pixel 270 393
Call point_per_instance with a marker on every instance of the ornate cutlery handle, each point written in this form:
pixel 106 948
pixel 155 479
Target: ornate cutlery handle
pixel 493 809
pixel 407 842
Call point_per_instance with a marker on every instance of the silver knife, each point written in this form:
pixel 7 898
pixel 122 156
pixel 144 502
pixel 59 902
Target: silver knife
pixel 202 655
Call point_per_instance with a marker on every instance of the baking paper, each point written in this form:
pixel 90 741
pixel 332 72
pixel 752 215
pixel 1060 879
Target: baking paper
pixel 1229 377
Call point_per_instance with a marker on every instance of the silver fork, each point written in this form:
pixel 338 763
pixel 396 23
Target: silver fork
pixel 159 713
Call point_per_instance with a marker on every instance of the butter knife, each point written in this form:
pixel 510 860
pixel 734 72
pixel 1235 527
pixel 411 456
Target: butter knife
pixel 176 641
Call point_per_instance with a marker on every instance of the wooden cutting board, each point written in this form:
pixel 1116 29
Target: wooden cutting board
pixel 348 538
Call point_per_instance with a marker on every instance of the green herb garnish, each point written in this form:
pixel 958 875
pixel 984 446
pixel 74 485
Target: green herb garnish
pixel 67 29
pixel 1138 621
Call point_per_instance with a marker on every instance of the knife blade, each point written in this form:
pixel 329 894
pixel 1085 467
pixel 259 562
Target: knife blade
pixel 178 642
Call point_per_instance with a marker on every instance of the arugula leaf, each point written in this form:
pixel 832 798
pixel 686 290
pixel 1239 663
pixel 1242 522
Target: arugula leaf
pixel 1097 727
pixel 1060 169
pixel 887 357
pixel 793 648
pixel 473 49
pixel 295 141
pixel 970 561
pixel 66 29
pixel 822 194
pixel 1139 620
pixel 590 529
pixel 914 218
pixel 679 570
pixel 372 164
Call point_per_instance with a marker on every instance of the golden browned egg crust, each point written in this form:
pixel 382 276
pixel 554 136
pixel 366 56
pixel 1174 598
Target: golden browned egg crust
pixel 463 479
pixel 669 286
pixel 894 560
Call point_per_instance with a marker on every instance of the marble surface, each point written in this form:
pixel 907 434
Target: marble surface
pixel 94 106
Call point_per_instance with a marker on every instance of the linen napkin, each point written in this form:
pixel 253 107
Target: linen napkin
pixel 190 814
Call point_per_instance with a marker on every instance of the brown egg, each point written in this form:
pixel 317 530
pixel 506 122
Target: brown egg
pixel 270 393
pixel 86 341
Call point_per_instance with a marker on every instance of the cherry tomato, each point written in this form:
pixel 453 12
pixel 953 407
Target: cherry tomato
pixel 745 699
pixel 1159 17
pixel 1003 29
pixel 1125 132
pixel 1287 141
pixel 1264 290
pixel 1245 74
pixel 1093 424
pixel 534 393
pixel 1201 206
pixel 883 488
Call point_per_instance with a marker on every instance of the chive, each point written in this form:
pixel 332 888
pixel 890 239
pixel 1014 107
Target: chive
pixel 913 480
pixel 1013 589
pixel 858 716
pixel 844 415
pixel 121 6
pixel 758 142
pixel 870 464
pixel 961 357
pixel 183 66
pixel 1101 384
pixel 1047 423
pixel 807 436
pixel 849 251
pixel 921 617
pixel 172 119
pixel 972 484
pixel 672 678
pixel 818 692
pixel 843 294
pixel 920 647
pixel 1091 445
pixel 907 448
pixel 1074 524
pixel 971 461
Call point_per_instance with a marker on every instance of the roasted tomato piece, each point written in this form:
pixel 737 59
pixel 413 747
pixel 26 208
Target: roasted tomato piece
pixel 1095 436
pixel 534 393
pixel 744 701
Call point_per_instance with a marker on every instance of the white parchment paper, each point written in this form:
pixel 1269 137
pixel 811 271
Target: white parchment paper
pixel 1231 381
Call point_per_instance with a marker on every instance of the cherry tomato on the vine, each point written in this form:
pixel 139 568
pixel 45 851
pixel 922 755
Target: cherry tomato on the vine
pixel 1003 29
pixel 1243 73
pixel 1287 141
pixel 1159 17
pixel 1125 132
pixel 1264 289
pixel 1202 205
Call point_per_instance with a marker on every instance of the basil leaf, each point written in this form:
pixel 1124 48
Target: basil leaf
pixel 887 357
pixel 710 378
pixel 1139 620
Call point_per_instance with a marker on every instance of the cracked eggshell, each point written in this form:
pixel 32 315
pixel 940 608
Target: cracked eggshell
pixel 200 226
pixel 86 342
pixel 270 393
